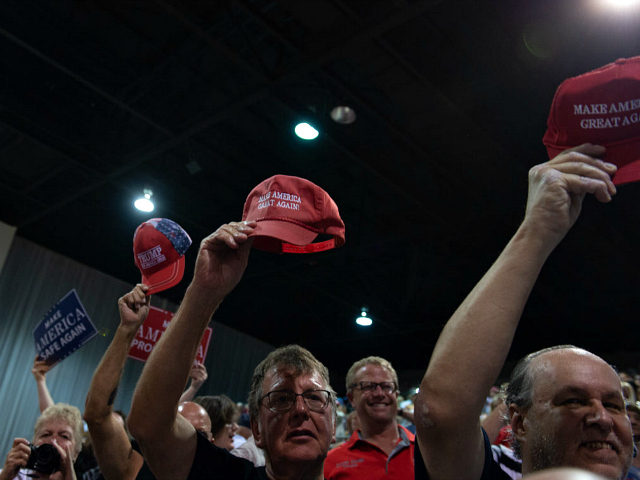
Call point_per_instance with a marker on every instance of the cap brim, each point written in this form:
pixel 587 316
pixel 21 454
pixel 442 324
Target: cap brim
pixel 284 231
pixel 165 278
pixel 628 171
pixel 627 174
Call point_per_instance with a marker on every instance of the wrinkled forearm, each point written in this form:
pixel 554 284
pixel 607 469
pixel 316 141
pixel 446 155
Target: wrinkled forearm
pixel 474 343
pixel 44 396
pixel 106 378
pixel 468 358
pixel 153 411
pixel 188 394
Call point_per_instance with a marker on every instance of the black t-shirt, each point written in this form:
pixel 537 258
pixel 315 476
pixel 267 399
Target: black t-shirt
pixel 490 471
pixel 86 466
pixel 213 463
pixel 144 473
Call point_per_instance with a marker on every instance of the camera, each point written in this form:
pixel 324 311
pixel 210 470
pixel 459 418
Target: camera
pixel 44 458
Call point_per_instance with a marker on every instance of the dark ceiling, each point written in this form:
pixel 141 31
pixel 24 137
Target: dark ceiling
pixel 196 100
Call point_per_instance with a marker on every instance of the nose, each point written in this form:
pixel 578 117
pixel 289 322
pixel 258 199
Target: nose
pixel 300 407
pixel 378 391
pixel 598 415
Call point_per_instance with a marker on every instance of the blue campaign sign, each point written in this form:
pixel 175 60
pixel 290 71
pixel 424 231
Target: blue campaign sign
pixel 63 330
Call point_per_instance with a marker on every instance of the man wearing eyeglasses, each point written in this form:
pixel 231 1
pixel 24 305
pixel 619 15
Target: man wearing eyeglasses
pixel 380 448
pixel 291 403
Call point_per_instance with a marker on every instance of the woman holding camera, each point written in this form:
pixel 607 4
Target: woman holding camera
pixel 56 444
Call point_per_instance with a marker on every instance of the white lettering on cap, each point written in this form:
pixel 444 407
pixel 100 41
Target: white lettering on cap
pixel 151 257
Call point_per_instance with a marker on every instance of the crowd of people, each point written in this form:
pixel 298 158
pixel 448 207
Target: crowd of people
pixel 564 413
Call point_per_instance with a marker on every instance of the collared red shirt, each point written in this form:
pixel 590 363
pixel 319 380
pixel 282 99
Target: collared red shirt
pixel 357 459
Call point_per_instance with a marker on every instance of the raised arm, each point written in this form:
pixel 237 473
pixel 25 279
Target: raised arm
pixel 198 376
pixel 116 458
pixel 167 440
pixel 39 370
pixel 474 343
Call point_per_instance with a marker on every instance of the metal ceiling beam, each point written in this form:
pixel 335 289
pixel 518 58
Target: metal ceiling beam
pixel 249 98
pixel 413 11
pixel 394 21
pixel 89 85
pixel 409 68
pixel 137 158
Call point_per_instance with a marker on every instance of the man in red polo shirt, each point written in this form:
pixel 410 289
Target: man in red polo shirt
pixel 380 448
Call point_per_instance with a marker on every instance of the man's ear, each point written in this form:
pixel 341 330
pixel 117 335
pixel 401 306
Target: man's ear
pixel 334 422
pixel 350 397
pixel 257 434
pixel 517 420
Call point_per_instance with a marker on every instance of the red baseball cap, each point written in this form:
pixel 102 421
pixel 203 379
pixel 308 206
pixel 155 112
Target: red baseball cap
pixel 602 107
pixel 291 212
pixel 159 246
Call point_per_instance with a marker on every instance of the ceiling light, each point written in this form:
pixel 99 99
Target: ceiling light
pixel 621 3
pixel 364 320
pixel 306 131
pixel 144 203
pixel 343 114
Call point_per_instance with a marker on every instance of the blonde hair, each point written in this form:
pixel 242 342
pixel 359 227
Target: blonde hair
pixel 379 361
pixel 68 414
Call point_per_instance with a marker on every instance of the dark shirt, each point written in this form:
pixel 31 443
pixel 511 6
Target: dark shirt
pixel 86 465
pixel 145 471
pixel 213 463
pixel 491 470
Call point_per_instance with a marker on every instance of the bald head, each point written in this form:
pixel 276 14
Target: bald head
pixel 563 474
pixel 572 415
pixel 197 416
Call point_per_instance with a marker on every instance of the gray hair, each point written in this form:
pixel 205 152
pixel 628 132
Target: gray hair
pixel 379 361
pixel 519 390
pixel 294 357
pixel 68 414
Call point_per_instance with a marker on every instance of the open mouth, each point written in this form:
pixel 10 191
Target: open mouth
pixel 302 433
pixel 600 445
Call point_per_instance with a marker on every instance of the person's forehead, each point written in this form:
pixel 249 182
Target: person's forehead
pixel 371 372
pixel 55 425
pixel 569 368
pixel 286 377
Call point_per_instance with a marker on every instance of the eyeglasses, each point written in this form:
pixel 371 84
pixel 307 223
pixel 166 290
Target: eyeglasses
pixel 386 387
pixel 280 401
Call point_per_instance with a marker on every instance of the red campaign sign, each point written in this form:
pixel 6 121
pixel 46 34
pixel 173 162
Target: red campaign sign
pixel 152 329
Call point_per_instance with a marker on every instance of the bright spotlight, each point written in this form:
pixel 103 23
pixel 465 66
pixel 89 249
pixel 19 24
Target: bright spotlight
pixel 306 131
pixel 363 320
pixel 144 203
pixel 621 3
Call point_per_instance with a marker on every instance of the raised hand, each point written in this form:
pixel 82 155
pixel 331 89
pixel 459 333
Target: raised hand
pixel 198 375
pixel 134 306
pixel 557 188
pixel 223 257
pixel 40 369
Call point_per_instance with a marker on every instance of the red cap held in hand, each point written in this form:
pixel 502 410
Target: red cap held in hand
pixel 600 107
pixel 159 246
pixel 291 212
